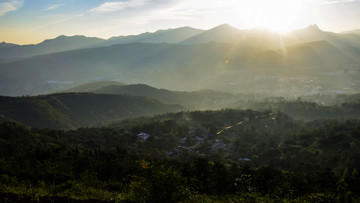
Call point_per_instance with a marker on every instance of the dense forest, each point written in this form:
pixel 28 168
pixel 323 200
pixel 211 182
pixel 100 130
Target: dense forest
pixel 193 156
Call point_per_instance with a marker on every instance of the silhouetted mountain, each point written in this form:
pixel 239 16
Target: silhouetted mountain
pixel 65 43
pixel 357 32
pixel 197 100
pixel 319 53
pixel 256 38
pixel 314 33
pixel 59 44
pixel 161 36
pixel 229 67
pixel 5 45
pixel 222 33
pixel 75 110
pixel 260 38
pixel 223 58
pixel 308 34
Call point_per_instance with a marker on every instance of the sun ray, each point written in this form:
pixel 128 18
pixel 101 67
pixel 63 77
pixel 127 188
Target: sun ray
pixel 276 15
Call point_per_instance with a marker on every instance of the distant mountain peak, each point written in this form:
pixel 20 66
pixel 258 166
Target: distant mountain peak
pixel 313 28
pixel 67 37
pixel 4 44
pixel 224 27
pixel 61 36
pixel 187 28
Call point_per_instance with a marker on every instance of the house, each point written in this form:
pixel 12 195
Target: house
pixel 244 159
pixel 142 137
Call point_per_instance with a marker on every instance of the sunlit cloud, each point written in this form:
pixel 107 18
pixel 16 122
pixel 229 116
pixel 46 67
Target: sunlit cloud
pixel 9 6
pixel 53 7
pixel 338 1
pixel 117 6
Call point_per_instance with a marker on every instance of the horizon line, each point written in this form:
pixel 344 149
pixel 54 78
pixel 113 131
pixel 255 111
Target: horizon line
pixel 227 24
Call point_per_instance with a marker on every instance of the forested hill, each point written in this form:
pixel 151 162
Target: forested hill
pixel 191 100
pixel 258 156
pixel 308 108
pixel 72 110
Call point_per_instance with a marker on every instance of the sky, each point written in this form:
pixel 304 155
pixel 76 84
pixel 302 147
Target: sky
pixel 32 21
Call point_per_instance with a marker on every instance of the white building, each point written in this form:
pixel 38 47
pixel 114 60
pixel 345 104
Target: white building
pixel 143 137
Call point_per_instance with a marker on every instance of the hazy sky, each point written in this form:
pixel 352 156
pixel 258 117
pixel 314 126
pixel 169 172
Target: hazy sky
pixel 32 21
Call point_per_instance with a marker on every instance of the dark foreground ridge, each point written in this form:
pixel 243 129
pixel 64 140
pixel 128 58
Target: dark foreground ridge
pixel 17 198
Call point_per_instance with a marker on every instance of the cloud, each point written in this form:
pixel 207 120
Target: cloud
pixel 6 7
pixel 52 7
pixel 338 1
pixel 117 6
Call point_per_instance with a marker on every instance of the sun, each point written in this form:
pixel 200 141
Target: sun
pixel 276 15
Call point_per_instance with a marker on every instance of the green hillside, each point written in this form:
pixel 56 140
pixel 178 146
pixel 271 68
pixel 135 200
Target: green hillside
pixel 196 100
pixel 64 111
pixel 93 86
pixel 308 107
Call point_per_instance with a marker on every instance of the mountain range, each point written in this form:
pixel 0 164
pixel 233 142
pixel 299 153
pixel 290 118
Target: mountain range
pixel 224 58
pixel 61 43
pixel 186 35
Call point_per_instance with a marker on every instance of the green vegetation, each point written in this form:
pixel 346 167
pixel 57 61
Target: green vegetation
pixel 72 110
pixel 263 156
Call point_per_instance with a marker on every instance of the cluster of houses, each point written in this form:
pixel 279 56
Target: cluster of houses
pixel 193 141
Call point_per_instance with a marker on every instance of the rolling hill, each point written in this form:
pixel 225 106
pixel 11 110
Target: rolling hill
pixel 66 111
pixel 196 100
pixel 93 86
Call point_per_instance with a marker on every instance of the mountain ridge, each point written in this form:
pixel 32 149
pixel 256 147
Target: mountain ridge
pixel 194 66
pixel 73 110
pixel 223 33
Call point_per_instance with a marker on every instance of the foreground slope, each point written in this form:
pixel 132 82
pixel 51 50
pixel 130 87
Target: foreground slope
pixel 257 157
